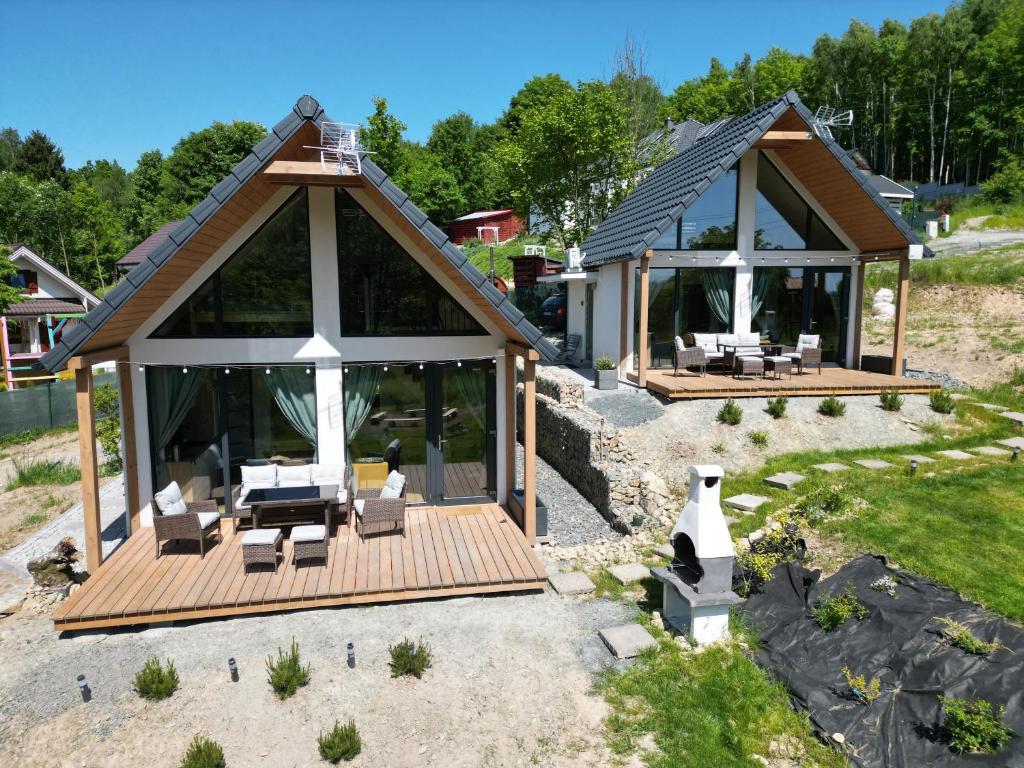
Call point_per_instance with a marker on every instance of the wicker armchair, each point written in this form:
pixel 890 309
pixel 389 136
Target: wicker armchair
pixel 806 353
pixel 199 519
pixel 688 357
pixel 371 510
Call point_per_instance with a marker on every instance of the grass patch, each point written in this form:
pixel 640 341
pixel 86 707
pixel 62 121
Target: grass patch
pixel 44 473
pixel 286 673
pixel 342 742
pixel 730 413
pixel 997 266
pixel 715 708
pixel 33 519
pixel 31 435
pixel 203 752
pixel 409 658
pixel 154 681
pixel 479 256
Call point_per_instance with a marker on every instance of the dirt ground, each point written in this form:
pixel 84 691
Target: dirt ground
pixel 510 685
pixel 974 333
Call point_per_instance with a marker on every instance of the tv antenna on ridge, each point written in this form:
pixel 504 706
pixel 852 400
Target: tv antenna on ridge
pixel 827 118
pixel 340 148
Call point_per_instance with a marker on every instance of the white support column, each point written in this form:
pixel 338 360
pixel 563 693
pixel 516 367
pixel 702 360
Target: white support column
pixel 745 209
pixel 743 293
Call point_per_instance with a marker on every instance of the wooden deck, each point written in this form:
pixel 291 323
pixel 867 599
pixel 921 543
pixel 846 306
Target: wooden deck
pixel 832 381
pixel 446 551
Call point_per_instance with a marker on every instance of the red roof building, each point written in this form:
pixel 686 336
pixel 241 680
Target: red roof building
pixel 147 246
pixel 482 224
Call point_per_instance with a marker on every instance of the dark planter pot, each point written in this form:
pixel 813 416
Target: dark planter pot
pixel 606 379
pixel 542 511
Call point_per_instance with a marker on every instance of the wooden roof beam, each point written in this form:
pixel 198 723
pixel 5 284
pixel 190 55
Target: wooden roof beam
pixel 89 359
pixel 301 173
pixel 783 139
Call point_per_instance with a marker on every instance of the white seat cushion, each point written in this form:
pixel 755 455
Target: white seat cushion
pixel 342 495
pixel 261 536
pixel 390 493
pixel 308 533
pixel 750 344
pixel 327 474
pixel 357 505
pixel 792 355
pixel 206 519
pixel 678 341
pixel 294 477
pixel 395 481
pixel 244 491
pixel 714 355
pixel 728 340
pixel 169 500
pixel 779 358
pixel 262 474
pixel 706 341
pixel 807 340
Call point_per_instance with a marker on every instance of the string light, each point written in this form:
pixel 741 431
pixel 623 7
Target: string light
pixel 385 369
pixel 459 363
pixel 142 368
pixel 421 366
pixel 307 370
pixel 267 371
pixel 227 370
pixel 184 370
pixel 346 370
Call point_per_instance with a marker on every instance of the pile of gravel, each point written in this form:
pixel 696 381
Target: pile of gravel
pixel 941 378
pixel 626 406
pixel 572 520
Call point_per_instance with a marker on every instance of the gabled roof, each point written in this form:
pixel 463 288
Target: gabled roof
pixel 22 253
pixel 40 307
pixel 672 187
pixel 147 246
pixel 678 136
pixel 307 111
pixel 484 214
pixel 887 187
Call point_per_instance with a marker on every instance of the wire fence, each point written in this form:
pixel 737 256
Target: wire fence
pixel 43 406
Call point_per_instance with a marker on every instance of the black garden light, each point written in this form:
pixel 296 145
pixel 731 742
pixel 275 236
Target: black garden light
pixel 83 688
pixel 913 467
pixel 1015 455
pixel 351 648
pixel 233 669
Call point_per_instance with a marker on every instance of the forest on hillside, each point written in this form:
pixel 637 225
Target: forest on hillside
pixel 940 99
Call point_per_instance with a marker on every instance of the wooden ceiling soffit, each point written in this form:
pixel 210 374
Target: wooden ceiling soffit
pixel 308 173
pixel 203 243
pixel 775 139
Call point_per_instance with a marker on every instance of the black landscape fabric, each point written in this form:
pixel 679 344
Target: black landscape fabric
pixel 900 643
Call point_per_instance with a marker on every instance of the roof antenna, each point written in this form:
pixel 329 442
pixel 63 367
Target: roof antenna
pixel 340 148
pixel 826 118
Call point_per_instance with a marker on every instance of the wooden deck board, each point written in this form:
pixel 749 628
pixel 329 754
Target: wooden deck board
pixel 831 381
pixel 475 550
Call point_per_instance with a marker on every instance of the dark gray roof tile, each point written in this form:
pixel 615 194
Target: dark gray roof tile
pixel 141 273
pixel 162 252
pixel 287 126
pixel 98 315
pixel 204 209
pixel 267 147
pixel 492 294
pixel 454 254
pixel 394 194
pixel 373 172
pixel 183 231
pixel 307 107
pixel 511 311
pixel 248 165
pixel 225 188
pixel 119 293
pixel 414 214
pixel 433 234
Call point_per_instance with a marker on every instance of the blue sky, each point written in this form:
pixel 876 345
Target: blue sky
pixel 111 80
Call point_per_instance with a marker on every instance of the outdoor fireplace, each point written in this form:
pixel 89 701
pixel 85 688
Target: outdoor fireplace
pixel 698 581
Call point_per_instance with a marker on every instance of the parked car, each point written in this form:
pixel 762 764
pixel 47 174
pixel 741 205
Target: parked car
pixel 552 312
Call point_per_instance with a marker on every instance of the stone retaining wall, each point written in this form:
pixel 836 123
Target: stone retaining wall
pixel 596 460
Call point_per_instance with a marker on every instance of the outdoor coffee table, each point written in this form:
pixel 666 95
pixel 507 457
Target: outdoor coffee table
pixel 778 365
pixel 304 502
pixel 261 546
pixel 748 366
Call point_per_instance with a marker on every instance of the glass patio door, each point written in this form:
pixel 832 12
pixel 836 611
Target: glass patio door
pixel 826 299
pixel 460 406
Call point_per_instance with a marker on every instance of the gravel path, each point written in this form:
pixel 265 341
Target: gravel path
pixel 969 241
pixel 572 520
pixel 626 406
pixel 509 685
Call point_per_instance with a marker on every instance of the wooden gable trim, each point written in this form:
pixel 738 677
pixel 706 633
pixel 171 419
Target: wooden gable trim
pixel 206 241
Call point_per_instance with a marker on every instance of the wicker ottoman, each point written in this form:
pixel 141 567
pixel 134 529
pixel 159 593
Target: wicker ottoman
pixel 309 541
pixel 778 365
pixel 261 546
pixel 748 366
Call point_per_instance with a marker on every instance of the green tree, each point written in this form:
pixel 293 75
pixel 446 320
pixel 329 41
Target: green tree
pixel 433 187
pixel 537 92
pixel 10 141
pixel 141 214
pixel 640 96
pixel 1006 185
pixel 202 159
pixel 97 236
pixel 383 137
pixel 703 98
pixel 109 180
pixel 8 293
pixel 40 159
pixel 571 160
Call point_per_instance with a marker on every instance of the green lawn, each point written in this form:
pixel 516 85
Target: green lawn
pixel 479 255
pixel 1002 266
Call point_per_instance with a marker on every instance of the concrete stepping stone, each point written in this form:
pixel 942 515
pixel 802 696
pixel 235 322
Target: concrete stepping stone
pixel 832 466
pixel 665 550
pixel 872 463
pixel 745 502
pixel 920 459
pixel 960 396
pixel 1013 442
pixel 1013 416
pixel 992 407
pixel 571 583
pixel 954 454
pixel 629 572
pixel 784 480
pixel 627 641
pixel 991 450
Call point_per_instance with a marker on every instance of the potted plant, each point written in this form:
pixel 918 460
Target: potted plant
pixel 607 376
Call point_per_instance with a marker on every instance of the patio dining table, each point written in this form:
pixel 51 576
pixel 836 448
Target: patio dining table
pixel 304 502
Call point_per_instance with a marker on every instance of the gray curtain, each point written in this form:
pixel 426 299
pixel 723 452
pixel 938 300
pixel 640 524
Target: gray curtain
pixel 294 392
pixel 761 283
pixel 171 393
pixel 359 387
pixel 718 289
pixel 472 384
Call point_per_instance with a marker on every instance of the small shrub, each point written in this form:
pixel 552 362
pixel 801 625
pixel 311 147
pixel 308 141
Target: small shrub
pixel 885 584
pixel 758 438
pixel 730 413
pixel 891 400
pixel 865 691
pixel 203 753
pixel 757 564
pixel 154 681
pixel 718 449
pixel 974 726
pixel 823 503
pixel 286 673
pixel 960 636
pixel 44 473
pixel 777 407
pixel 942 402
pixel 832 406
pixel 604 364
pixel 33 518
pixel 342 742
pixel 409 658
pixel 832 612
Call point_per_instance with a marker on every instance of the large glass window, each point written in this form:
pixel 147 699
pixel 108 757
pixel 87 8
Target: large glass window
pixel 681 302
pixel 777 304
pixel 788 301
pixel 782 220
pixel 384 291
pixel 264 289
pixel 710 223
pixel 266 417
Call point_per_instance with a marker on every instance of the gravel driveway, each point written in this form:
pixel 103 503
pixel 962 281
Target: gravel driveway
pixel 969 241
